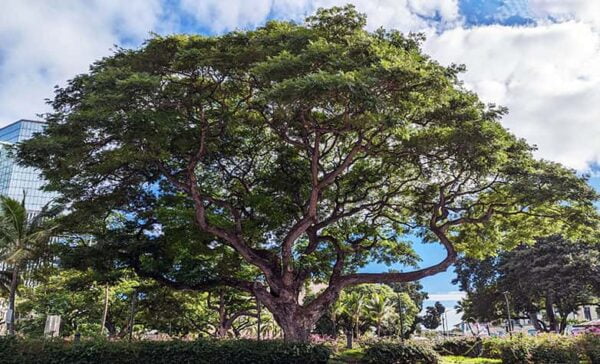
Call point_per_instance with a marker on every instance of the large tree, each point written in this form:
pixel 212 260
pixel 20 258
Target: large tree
pixel 306 149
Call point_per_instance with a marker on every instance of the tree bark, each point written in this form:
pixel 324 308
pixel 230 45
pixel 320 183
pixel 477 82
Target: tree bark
pixel 11 302
pixel 295 330
pixel 553 327
pixel 534 320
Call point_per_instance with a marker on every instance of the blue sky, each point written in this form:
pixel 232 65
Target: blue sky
pixel 537 57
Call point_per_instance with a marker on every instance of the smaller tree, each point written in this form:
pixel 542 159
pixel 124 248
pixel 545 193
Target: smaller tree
pixel 22 240
pixel 545 277
pixel 380 309
pixel 230 305
pixel 411 306
pixel 433 316
pixel 353 309
pixel 407 314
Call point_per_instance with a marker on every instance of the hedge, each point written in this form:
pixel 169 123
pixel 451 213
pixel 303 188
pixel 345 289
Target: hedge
pixel 520 349
pixel 396 352
pixel 470 347
pixel 13 351
pixel 589 345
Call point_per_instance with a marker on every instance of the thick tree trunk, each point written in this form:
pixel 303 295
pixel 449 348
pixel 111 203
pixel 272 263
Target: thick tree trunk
pixel 563 324
pixel 296 321
pixel 334 325
pixel 295 328
pixel 11 301
pixel 295 324
pixel 534 321
pixel 349 339
pixel 553 327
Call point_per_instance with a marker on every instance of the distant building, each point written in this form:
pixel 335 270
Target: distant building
pixel 15 180
pixel 587 313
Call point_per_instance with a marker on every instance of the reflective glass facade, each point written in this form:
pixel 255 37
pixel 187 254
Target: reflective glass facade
pixel 14 179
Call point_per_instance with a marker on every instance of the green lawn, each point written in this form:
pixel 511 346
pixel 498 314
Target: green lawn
pixel 465 360
pixel 347 356
pixel 353 356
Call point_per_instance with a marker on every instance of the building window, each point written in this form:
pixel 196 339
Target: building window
pixel 587 313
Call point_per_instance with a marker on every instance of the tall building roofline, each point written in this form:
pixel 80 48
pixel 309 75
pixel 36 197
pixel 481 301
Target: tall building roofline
pixel 23 120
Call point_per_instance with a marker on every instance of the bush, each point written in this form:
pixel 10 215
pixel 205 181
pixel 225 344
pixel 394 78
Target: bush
pixel 589 346
pixel 14 350
pixel 515 350
pixel 542 349
pixel 469 346
pixel 492 348
pixel 394 352
pixel 554 349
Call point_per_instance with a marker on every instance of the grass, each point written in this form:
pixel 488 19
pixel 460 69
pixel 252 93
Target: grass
pixel 465 360
pixel 347 356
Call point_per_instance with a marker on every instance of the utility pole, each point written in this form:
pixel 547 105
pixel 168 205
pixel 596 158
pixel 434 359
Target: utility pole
pixel 446 321
pixel 258 322
pixel 509 324
pixel 443 326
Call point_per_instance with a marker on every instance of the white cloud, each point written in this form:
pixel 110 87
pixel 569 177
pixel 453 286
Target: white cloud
pixel 547 75
pixel 406 15
pixel 44 43
pixel 451 296
pixel 583 10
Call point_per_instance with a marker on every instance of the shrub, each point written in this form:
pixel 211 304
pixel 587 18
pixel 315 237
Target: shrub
pixel 203 351
pixel 395 352
pixel 492 348
pixel 470 347
pixel 589 346
pixel 550 349
pixel 516 350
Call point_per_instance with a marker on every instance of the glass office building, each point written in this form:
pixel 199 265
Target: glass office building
pixel 15 180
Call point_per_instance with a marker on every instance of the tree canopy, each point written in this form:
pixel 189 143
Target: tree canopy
pixel 306 150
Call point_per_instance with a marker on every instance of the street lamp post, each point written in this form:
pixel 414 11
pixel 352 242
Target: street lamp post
pixel 509 324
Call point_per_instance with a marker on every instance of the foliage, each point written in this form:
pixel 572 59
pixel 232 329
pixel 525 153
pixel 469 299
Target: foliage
pixel 23 241
pixel 396 352
pixel 554 349
pixel 14 350
pixel 433 316
pixel 370 307
pixel 525 349
pixel 516 350
pixel 545 276
pixel 468 346
pixel 589 346
pixel 308 150
pixel 78 297
pixel 409 306
pixel 492 347
pixel 545 348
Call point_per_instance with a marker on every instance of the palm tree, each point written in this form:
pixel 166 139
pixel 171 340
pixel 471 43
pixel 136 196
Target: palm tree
pixel 380 309
pixel 352 304
pixel 20 240
pixel 336 310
